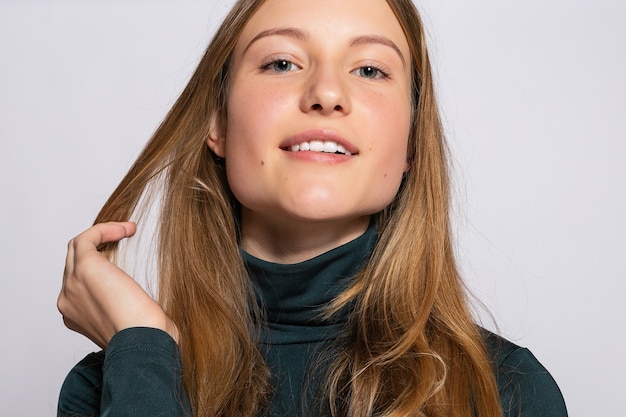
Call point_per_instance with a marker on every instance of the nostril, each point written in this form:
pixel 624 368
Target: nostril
pixel 338 108
pixel 316 106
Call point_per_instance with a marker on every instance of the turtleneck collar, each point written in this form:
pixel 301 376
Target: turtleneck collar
pixel 293 295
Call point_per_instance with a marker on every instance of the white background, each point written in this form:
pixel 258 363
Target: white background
pixel 534 99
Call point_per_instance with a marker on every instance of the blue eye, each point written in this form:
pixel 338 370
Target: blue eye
pixel 370 71
pixel 279 65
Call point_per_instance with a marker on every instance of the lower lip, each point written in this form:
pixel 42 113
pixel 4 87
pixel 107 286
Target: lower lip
pixel 320 157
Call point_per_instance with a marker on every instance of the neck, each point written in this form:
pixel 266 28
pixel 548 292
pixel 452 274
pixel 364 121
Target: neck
pixel 292 241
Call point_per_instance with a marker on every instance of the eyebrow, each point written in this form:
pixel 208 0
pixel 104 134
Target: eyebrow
pixel 381 40
pixel 290 32
pixel 303 36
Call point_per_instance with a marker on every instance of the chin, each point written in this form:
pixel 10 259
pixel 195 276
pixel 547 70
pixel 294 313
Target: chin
pixel 313 213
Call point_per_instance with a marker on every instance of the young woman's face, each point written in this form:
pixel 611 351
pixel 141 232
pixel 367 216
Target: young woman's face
pixel 318 112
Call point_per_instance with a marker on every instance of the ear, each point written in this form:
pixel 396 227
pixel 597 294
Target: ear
pixel 216 138
pixel 408 162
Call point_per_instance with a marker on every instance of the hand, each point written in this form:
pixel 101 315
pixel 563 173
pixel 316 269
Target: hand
pixel 98 299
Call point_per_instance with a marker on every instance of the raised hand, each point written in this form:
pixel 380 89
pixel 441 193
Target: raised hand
pixel 98 299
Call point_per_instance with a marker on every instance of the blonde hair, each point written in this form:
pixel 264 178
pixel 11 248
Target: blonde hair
pixel 411 348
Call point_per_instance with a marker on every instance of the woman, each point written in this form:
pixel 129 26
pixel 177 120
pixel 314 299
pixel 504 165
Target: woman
pixel 305 261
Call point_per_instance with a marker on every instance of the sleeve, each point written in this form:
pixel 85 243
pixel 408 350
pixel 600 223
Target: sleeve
pixel 526 388
pixel 82 388
pixel 139 374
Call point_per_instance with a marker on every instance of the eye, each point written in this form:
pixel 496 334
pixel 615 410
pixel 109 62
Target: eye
pixel 370 71
pixel 279 65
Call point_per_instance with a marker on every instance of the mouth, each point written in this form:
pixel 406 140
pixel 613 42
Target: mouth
pixel 327 146
pixel 321 141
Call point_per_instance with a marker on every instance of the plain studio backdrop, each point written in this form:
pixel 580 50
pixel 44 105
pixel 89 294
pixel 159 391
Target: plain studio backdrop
pixel 534 101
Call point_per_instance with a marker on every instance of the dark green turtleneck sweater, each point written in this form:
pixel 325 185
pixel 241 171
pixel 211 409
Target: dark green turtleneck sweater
pixel 140 374
pixel 293 296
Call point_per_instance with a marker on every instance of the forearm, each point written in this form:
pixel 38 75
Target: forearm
pixel 142 376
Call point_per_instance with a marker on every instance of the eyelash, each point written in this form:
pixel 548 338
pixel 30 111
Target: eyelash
pixel 379 70
pixel 270 66
pixel 274 61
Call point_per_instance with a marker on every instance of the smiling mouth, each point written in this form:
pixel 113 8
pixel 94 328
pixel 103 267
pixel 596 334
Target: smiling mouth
pixel 327 146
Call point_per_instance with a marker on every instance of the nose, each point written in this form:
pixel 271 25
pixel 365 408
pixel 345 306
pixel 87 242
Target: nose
pixel 326 93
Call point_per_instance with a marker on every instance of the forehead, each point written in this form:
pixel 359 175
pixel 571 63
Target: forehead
pixel 326 20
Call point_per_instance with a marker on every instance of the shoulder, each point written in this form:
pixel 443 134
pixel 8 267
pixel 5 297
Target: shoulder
pixel 526 387
pixel 81 390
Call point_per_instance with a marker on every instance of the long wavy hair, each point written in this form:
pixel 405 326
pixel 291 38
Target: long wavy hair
pixel 411 348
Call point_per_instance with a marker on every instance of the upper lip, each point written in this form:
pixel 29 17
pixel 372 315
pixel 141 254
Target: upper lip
pixel 320 135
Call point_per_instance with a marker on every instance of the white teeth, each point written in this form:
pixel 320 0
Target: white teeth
pixel 341 149
pixel 319 146
pixel 330 147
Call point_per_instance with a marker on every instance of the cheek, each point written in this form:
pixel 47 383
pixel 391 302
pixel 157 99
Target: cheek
pixel 246 173
pixel 251 135
pixel 254 110
pixel 389 125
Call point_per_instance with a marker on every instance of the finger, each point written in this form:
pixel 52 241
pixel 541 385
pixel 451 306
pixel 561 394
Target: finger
pixel 69 259
pixel 95 236
pixel 103 233
pixel 109 232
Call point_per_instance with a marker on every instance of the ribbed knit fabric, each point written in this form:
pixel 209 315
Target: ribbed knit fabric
pixel 295 337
